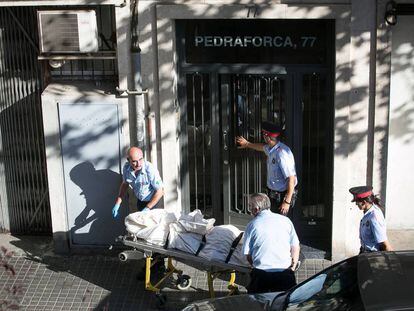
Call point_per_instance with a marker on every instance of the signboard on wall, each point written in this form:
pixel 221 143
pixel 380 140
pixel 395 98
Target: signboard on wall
pixel 286 41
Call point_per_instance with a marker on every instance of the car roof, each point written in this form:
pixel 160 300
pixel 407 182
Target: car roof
pixel 386 280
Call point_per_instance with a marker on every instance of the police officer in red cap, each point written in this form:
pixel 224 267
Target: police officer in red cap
pixel 372 229
pixel 281 172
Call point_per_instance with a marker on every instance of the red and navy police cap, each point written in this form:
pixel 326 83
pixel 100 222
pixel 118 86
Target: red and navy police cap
pixel 271 129
pixel 360 192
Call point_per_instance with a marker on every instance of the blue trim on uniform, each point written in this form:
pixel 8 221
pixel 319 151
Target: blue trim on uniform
pixel 145 182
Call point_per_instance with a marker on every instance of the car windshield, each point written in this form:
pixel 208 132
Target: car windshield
pixel 335 288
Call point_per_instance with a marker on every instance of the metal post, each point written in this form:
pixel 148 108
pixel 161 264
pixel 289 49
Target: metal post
pixel 136 73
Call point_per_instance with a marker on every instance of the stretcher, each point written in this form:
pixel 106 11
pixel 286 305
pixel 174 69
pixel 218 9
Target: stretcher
pixel 214 269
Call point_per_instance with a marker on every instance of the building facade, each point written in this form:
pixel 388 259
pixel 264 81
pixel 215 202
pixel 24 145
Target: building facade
pixel 189 76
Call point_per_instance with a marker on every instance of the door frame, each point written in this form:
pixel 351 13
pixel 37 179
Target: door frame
pixel 295 87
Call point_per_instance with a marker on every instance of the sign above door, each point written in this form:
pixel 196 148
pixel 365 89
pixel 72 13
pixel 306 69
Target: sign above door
pixel 282 41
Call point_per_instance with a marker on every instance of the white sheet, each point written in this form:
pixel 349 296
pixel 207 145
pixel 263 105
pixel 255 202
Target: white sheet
pixel 151 226
pixel 182 240
pixel 195 222
pixel 185 233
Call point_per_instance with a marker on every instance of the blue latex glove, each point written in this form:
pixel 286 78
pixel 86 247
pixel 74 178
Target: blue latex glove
pixel 146 209
pixel 115 210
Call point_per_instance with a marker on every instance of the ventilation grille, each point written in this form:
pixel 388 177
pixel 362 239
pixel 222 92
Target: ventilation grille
pixel 68 31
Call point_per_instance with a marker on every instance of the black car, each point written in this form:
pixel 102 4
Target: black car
pixel 369 281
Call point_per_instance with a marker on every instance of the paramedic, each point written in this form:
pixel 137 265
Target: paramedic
pixel 372 228
pixel 281 172
pixel 145 181
pixel 143 178
pixel 271 247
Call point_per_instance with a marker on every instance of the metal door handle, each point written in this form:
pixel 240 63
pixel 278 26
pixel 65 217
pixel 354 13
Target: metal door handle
pixel 225 147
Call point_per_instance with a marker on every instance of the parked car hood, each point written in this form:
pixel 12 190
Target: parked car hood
pixel 257 302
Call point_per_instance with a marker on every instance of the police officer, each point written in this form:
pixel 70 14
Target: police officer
pixel 372 229
pixel 271 246
pixel 281 172
pixel 143 178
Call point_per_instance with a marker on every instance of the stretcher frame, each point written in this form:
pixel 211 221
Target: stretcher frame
pixel 214 269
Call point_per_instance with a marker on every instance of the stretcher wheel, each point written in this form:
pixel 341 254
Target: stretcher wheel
pixel 183 282
pixel 161 300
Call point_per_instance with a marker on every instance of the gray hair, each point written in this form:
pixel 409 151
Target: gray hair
pixel 259 200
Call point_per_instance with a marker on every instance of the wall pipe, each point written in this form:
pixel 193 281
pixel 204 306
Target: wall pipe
pixel 137 79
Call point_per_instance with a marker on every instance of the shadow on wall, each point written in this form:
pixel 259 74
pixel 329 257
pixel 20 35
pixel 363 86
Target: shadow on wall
pixel 94 224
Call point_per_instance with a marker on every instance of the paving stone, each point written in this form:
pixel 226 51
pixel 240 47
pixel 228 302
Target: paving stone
pixel 99 282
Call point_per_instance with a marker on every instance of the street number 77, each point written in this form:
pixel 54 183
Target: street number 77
pixel 308 41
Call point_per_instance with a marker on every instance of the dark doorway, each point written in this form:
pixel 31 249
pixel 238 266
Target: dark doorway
pixel 220 101
pixel 220 176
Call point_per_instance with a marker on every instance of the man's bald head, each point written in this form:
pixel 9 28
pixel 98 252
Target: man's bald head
pixel 135 158
pixel 134 151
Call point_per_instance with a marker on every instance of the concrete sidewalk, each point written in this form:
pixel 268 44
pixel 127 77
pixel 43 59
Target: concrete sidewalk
pixel 401 239
pixel 34 278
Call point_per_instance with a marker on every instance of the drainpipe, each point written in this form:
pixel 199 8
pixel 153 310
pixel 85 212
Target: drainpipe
pixel 137 79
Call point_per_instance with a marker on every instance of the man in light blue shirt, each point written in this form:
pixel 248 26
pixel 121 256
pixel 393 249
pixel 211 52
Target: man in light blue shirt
pixel 271 247
pixel 145 181
pixel 143 178
pixel 281 172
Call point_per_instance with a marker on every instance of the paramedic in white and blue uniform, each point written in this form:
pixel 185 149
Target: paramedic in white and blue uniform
pixel 143 178
pixel 271 247
pixel 281 172
pixel 145 181
pixel 372 229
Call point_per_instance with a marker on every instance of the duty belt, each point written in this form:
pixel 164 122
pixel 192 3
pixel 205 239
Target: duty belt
pixel 279 195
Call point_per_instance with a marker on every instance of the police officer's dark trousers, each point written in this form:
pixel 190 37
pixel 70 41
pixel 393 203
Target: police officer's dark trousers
pixel 276 199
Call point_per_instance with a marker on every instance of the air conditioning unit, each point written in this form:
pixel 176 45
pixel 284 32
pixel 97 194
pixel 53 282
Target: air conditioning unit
pixel 67 31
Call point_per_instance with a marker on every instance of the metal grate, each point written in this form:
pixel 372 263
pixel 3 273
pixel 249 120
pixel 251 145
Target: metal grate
pixel 199 142
pixel 314 152
pixel 255 99
pixel 24 200
pixel 63 32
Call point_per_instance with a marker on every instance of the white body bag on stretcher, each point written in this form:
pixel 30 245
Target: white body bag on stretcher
pixel 220 243
pixel 187 233
pixel 151 226
pixel 194 222
pixel 224 243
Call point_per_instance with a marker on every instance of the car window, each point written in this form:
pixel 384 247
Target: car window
pixel 334 289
